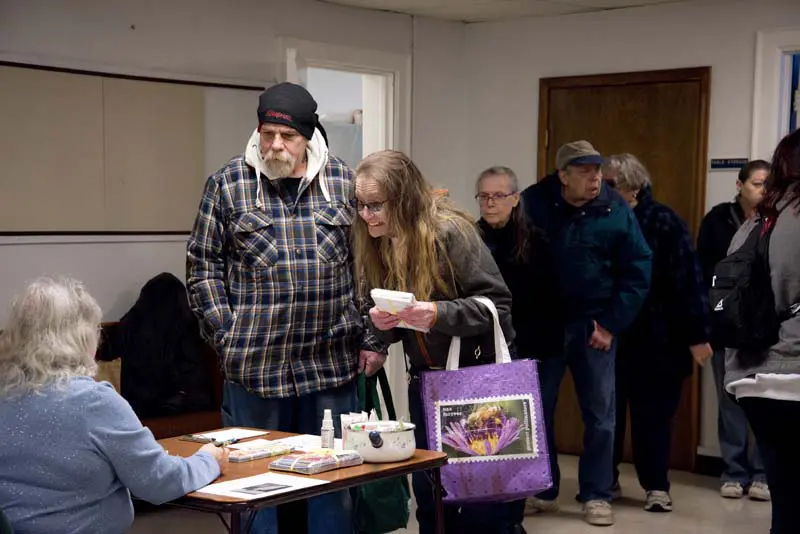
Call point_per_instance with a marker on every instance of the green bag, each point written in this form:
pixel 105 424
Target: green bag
pixel 5 524
pixel 381 506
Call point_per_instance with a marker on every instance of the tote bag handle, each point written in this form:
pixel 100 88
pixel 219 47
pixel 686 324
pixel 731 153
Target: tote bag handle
pixel 502 354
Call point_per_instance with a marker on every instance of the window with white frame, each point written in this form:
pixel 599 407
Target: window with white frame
pixel 775 98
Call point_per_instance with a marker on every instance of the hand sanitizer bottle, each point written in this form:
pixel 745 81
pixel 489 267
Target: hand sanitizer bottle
pixel 327 430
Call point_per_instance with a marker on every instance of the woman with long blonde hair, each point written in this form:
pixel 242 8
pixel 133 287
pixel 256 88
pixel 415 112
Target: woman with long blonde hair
pixel 409 239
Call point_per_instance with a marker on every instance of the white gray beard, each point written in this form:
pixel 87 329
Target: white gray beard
pixel 276 169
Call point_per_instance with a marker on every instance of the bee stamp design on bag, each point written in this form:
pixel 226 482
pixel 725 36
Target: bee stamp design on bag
pixel 487 429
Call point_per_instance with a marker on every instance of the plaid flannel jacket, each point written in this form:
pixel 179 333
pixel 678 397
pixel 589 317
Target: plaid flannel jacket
pixel 273 286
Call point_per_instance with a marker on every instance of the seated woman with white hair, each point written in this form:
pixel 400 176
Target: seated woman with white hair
pixel 73 450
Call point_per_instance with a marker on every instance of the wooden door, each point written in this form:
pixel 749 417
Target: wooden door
pixel 661 117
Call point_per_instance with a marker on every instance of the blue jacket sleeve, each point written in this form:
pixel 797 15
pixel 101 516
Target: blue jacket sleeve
pixel 141 464
pixel 632 267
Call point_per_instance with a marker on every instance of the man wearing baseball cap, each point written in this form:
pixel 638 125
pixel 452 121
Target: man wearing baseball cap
pixel 269 275
pixel 604 268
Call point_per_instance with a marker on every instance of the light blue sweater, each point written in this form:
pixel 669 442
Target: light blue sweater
pixel 69 456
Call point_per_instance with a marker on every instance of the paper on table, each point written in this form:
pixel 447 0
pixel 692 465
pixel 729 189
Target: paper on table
pixel 260 486
pixel 308 442
pixel 393 302
pixel 233 433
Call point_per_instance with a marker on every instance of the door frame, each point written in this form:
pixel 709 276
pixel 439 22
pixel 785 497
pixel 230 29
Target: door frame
pixel 770 89
pixel 699 74
pixel 298 54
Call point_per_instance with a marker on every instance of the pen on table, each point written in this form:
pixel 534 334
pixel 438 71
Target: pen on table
pixel 226 442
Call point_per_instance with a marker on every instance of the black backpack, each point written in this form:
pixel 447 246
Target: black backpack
pixel 743 314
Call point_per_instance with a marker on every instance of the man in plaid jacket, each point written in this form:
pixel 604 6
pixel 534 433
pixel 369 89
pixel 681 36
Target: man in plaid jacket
pixel 270 277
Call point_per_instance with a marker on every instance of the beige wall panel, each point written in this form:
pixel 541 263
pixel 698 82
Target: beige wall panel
pixel 51 151
pixel 155 154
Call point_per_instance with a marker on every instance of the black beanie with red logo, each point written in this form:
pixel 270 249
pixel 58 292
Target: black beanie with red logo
pixel 291 105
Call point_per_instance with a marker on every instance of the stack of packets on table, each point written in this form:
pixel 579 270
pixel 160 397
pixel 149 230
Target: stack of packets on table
pixel 256 450
pixel 319 461
pixel 393 302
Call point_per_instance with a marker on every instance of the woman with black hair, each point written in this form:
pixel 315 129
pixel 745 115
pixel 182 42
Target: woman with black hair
pixel 743 470
pixel 768 389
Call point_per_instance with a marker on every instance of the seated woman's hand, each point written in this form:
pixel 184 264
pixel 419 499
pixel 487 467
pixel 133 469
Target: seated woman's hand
pixel 419 315
pixel 383 320
pixel 220 454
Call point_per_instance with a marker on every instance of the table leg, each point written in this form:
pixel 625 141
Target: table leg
pixel 437 499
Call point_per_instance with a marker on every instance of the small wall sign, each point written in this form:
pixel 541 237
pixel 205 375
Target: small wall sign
pixel 728 164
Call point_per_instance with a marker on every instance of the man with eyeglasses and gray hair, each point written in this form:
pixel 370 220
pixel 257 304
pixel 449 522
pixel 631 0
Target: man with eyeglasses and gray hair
pixel 602 266
pixel 269 274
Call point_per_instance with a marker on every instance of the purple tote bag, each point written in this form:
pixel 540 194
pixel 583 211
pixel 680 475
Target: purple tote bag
pixel 489 421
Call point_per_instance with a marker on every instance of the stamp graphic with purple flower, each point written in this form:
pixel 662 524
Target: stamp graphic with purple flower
pixel 486 429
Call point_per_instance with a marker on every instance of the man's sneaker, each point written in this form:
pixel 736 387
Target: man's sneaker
pixel 732 490
pixel 658 501
pixel 616 491
pixel 535 505
pixel 759 491
pixel 598 513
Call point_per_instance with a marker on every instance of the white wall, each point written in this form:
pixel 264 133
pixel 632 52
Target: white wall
pixel 114 268
pixel 507 59
pixel 438 111
pixel 230 117
pixel 235 41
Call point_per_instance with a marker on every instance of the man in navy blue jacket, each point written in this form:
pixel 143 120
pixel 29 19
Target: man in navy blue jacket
pixel 603 267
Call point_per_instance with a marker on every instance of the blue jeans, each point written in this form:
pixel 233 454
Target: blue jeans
pixel 594 376
pixel 489 518
pixel 327 514
pixel 742 461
